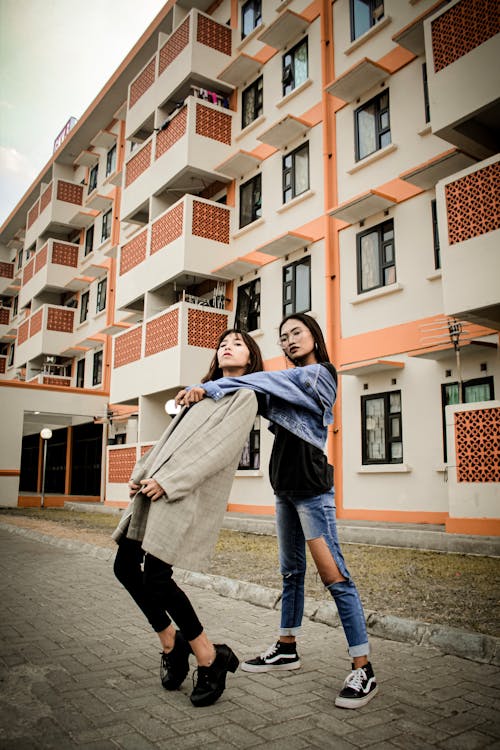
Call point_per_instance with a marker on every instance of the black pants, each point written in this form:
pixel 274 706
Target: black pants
pixel 154 590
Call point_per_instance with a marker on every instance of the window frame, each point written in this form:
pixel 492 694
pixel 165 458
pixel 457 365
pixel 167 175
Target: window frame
pixel 291 170
pixel 111 160
pixel 253 311
pixel 256 213
pixel 97 367
pixel 106 225
pixel 258 107
pixel 89 245
pixel 84 306
pixel 388 439
pixel 435 235
pixel 80 373
pixel 288 83
pixel 380 131
pixel 102 290
pixel 252 444
pixel 382 244
pixel 292 285
pixel 10 359
pixel 372 6
pixel 93 176
pixel 256 7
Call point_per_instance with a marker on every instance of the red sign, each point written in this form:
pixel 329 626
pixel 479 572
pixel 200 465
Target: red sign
pixel 64 132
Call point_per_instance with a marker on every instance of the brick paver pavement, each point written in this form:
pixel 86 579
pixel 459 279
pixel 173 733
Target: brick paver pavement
pixel 80 670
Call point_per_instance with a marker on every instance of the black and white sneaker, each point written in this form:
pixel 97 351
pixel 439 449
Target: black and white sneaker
pixel 280 656
pixel 359 688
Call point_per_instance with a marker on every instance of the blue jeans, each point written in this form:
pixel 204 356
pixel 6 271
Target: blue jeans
pixel 298 520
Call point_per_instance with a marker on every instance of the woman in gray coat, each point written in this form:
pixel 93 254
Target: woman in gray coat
pixel 180 490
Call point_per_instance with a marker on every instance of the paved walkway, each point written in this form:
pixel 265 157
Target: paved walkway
pixel 79 669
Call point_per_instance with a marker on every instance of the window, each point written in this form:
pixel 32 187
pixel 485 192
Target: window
pixel 20 258
pixel 101 295
pixel 364 15
pixel 250 456
pixel 80 373
pixel 106 225
pixel 97 368
pixel 111 160
pixel 89 240
pixel 372 126
pixel 10 361
pixel 382 428
pixel 93 178
pixel 250 200
pixel 435 235
pixel 15 306
pixel 295 173
pixel 427 108
pixel 479 389
pixel 376 259
pixel 297 287
pixel 252 102
pixel 295 67
pixel 251 16
pixel 84 307
pixel 248 307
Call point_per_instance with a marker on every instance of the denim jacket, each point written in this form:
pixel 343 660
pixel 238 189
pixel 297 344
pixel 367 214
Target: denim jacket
pixel 300 400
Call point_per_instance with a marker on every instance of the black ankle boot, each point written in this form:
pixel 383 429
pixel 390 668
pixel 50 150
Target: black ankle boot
pixel 175 665
pixel 211 680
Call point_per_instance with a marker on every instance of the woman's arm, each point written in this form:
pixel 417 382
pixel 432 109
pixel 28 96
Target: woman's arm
pixel 311 387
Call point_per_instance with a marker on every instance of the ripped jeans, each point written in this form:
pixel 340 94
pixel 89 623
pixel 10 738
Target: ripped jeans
pixel 298 520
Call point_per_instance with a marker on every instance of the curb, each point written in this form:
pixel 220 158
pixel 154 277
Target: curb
pixel 476 647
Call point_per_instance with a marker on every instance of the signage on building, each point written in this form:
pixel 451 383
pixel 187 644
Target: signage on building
pixel 64 132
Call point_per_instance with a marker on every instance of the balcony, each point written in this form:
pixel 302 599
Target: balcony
pixel 48 330
pixel 166 351
pixel 462 42
pixel 180 158
pixel 51 269
pixel 60 206
pixel 197 50
pixel 190 237
pixel 469 233
pixel 5 325
pixel 6 275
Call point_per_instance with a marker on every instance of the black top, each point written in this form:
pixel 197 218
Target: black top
pixel 296 467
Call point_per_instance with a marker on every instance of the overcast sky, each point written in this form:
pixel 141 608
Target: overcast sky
pixel 55 56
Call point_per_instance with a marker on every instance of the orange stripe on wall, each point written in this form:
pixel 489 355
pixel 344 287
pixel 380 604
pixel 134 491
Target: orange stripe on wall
pixel 10 473
pixel 406 337
pixel 254 510
pixel 392 516
pixel 475 526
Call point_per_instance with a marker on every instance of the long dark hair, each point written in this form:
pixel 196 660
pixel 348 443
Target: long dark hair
pixel 255 365
pixel 320 350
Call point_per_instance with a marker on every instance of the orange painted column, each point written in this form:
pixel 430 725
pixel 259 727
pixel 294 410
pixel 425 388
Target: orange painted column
pixel 332 270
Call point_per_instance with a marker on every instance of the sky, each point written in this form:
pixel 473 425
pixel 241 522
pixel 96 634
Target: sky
pixel 55 56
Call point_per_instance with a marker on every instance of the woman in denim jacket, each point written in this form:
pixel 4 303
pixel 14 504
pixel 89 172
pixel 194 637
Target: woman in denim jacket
pixel 298 403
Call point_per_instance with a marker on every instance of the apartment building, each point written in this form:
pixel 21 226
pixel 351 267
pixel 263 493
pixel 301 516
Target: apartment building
pixel 248 160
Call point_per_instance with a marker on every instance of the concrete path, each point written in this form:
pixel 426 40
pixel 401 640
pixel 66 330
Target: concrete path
pixel 79 669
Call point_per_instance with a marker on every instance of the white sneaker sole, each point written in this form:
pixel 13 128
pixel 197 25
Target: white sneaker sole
pixel 269 667
pixel 355 702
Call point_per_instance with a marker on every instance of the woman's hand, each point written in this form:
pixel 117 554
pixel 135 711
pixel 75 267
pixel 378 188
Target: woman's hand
pixel 133 488
pixel 186 398
pixel 152 489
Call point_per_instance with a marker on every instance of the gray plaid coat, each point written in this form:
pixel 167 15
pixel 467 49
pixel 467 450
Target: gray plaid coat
pixel 194 461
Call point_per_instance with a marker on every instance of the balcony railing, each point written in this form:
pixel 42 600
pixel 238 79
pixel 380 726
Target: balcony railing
pixel 60 202
pixel 181 339
pixel 193 235
pixel 199 46
pixel 48 330
pixel 54 265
